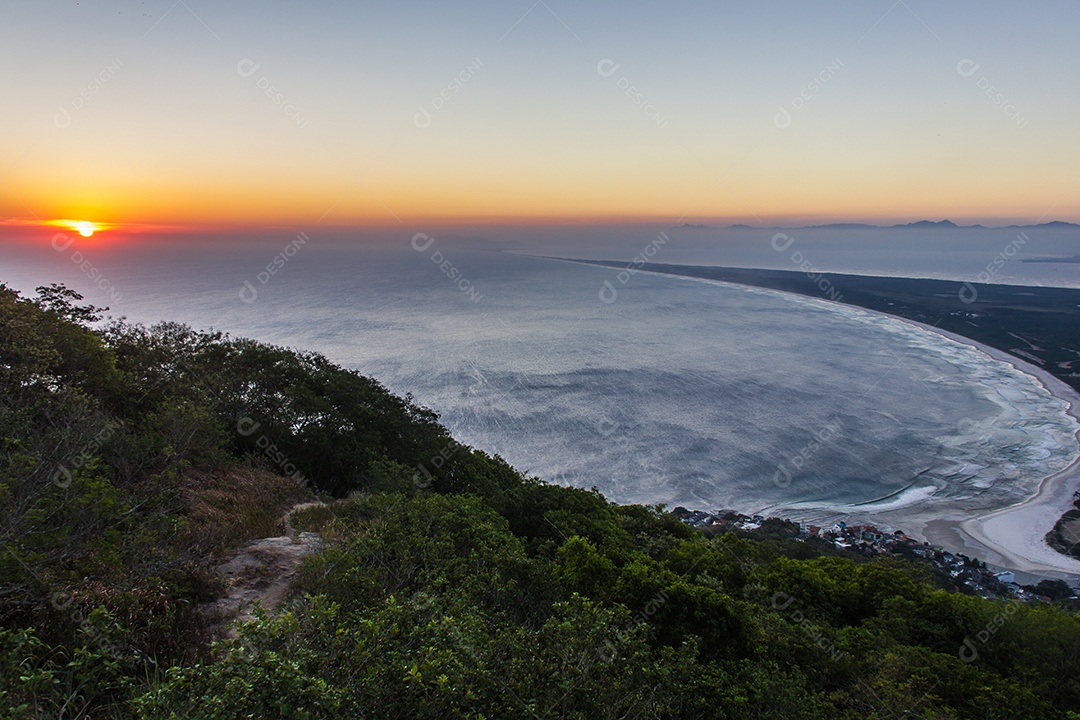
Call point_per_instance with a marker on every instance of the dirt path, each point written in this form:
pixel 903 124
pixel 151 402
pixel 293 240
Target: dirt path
pixel 261 572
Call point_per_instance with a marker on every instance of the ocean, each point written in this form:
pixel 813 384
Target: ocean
pixel 674 390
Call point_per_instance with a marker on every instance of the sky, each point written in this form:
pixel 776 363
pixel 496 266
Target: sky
pixel 199 114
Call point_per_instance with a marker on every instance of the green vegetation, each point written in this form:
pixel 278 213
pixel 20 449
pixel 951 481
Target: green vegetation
pixel 133 459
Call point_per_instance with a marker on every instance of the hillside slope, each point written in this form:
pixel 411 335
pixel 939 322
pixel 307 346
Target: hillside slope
pixel 138 461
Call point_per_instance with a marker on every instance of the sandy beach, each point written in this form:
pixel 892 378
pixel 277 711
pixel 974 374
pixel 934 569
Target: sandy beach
pixel 1014 537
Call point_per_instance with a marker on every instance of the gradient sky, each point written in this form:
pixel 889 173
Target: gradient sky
pixel 158 113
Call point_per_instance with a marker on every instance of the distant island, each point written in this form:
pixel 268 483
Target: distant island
pixel 1073 259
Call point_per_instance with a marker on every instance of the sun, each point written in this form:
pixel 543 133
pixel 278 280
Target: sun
pixel 86 228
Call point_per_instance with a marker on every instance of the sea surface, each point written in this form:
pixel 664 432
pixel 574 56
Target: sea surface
pixel 677 391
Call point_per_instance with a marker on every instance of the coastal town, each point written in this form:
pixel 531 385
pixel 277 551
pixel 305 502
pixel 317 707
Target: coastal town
pixel 953 571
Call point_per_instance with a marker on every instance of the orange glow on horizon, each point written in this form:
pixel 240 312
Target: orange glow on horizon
pixel 93 228
pixel 85 228
pixel 260 209
pixel 781 187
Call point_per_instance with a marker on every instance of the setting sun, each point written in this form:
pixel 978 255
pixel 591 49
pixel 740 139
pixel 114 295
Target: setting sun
pixel 85 228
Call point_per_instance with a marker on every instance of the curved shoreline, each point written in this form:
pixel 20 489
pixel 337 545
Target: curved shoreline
pixel 1011 537
pixel 1015 536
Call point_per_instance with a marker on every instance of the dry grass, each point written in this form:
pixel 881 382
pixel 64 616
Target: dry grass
pixel 314 519
pixel 228 508
pixel 334 520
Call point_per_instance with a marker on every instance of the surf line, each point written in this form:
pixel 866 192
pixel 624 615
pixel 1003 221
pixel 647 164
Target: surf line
pixel 897 492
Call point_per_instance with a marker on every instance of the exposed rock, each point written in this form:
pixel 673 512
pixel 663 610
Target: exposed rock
pixel 261 572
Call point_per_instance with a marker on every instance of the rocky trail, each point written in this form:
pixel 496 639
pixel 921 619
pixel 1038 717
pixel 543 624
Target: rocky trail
pixel 261 572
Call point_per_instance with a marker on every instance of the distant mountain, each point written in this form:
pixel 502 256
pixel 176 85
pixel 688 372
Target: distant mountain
pixel 843 226
pixel 917 225
pixel 1052 224
pixel 736 226
pixel 926 224
pixel 949 224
